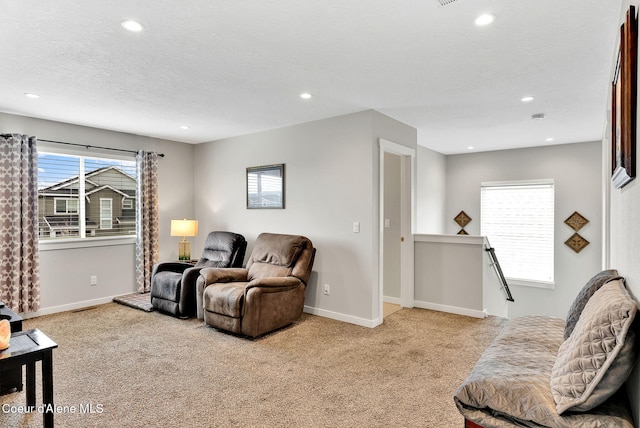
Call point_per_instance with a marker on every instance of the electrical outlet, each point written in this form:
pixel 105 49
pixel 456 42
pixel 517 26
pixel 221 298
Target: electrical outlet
pixel 94 280
pixel 326 289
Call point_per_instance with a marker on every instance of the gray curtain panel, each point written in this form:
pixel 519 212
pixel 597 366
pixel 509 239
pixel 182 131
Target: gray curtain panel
pixel 146 218
pixel 20 266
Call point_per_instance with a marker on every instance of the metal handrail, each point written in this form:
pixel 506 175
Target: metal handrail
pixel 496 265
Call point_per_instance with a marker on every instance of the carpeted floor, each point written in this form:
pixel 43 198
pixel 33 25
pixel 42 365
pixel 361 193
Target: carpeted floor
pixel 141 369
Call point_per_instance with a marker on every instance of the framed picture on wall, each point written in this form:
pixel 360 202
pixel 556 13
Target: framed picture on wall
pixel 623 108
pixel 265 187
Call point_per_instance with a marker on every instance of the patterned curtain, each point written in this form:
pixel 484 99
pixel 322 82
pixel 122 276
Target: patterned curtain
pixel 147 218
pixel 20 278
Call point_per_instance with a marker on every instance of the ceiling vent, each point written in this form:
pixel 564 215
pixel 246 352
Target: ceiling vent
pixel 444 2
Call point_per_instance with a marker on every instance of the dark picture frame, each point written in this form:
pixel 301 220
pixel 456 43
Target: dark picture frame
pixel 265 187
pixel 623 105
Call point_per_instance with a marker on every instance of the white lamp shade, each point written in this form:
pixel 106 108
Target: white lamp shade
pixel 184 227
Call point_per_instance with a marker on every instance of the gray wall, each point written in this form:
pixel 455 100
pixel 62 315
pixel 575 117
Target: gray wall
pixel 576 169
pixel 431 191
pixel 331 182
pixel 623 241
pixel 65 270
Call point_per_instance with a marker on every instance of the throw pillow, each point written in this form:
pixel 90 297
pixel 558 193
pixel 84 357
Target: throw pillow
pixel 597 358
pixel 583 297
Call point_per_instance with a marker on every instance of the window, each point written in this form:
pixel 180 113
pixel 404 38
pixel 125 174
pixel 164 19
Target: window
pixel 76 196
pixel 66 206
pixel 517 218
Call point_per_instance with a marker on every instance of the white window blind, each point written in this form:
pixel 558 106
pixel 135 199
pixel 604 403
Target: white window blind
pixel 518 218
pixel 82 197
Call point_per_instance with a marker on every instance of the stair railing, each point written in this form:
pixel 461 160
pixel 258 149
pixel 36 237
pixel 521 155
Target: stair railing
pixel 496 266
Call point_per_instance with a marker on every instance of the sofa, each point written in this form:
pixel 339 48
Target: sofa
pixel 266 295
pixel 542 371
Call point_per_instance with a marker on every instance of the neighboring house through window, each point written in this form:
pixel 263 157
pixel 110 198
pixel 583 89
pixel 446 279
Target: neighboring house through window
pixel 518 217
pixel 65 206
pixel 85 196
pixel 106 213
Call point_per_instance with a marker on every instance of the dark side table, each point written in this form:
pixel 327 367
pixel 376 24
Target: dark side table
pixel 10 380
pixel 25 349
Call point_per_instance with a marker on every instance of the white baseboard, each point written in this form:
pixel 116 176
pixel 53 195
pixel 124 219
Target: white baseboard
pixel 68 307
pixel 451 309
pixel 394 300
pixel 342 317
pixel 307 309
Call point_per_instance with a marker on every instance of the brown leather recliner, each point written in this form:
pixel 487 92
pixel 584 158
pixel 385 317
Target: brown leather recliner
pixel 173 284
pixel 267 295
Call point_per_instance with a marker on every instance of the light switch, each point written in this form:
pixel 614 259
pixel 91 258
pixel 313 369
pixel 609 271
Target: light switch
pixel 356 227
pixel 387 223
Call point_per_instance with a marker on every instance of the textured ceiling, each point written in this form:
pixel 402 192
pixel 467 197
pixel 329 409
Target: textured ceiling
pixel 233 67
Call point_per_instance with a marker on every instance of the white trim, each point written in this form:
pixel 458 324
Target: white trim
pixel 70 307
pixel 393 300
pixel 90 152
pixel 535 182
pixel 450 239
pixel 408 222
pixel 451 309
pixel 82 205
pixel 606 194
pixel 531 283
pixel 342 317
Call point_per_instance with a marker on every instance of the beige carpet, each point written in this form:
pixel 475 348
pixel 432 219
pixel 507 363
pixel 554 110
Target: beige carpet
pixel 142 369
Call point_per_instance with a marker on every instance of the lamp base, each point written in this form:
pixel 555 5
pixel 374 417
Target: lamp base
pixel 184 250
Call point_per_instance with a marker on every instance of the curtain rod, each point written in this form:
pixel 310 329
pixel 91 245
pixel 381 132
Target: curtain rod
pixel 88 146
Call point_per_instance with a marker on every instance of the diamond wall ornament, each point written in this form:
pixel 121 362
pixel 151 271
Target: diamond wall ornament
pixel 576 242
pixel 576 221
pixel 462 219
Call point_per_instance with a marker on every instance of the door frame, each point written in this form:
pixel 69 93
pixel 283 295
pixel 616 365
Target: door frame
pixel 407 223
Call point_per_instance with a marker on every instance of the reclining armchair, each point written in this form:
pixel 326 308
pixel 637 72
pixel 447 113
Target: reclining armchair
pixel 173 284
pixel 267 295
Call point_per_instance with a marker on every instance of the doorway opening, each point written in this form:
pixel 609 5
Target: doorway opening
pixel 397 178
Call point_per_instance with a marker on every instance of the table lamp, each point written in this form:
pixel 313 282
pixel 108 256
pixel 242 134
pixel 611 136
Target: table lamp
pixel 184 228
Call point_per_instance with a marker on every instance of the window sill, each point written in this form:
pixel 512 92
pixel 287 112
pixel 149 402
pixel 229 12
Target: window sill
pixel 67 244
pixel 531 283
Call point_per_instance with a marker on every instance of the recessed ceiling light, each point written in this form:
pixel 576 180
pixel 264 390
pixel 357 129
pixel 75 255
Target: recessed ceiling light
pixel 550 139
pixel 305 95
pixel 527 99
pixel 484 19
pixel 131 25
pixel 470 148
pixel 185 127
pixel 30 95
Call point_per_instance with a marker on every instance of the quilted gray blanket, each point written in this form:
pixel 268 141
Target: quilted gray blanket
pixel 510 384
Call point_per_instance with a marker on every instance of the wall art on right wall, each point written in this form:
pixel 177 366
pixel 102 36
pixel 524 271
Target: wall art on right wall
pixel 623 105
